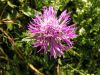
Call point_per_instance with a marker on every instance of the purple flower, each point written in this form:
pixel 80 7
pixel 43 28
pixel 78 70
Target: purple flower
pixel 50 31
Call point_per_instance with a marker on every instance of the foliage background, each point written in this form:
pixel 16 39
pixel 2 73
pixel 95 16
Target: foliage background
pixel 17 57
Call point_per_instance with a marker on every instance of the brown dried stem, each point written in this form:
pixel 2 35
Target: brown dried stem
pixel 20 55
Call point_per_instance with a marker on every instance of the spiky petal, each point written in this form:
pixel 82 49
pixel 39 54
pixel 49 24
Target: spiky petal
pixel 50 31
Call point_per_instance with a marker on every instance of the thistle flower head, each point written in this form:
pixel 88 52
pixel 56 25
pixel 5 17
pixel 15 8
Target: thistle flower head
pixel 51 31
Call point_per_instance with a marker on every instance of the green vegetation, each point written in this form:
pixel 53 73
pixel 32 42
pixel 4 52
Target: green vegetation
pixel 18 57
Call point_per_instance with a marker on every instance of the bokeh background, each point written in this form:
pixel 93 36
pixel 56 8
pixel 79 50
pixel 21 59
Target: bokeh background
pixel 18 57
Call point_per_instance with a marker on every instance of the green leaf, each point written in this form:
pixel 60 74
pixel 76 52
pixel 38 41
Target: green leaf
pixel 9 26
pixel 11 5
pixel 59 61
pixel 7 73
pixel 82 31
pixel 28 11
